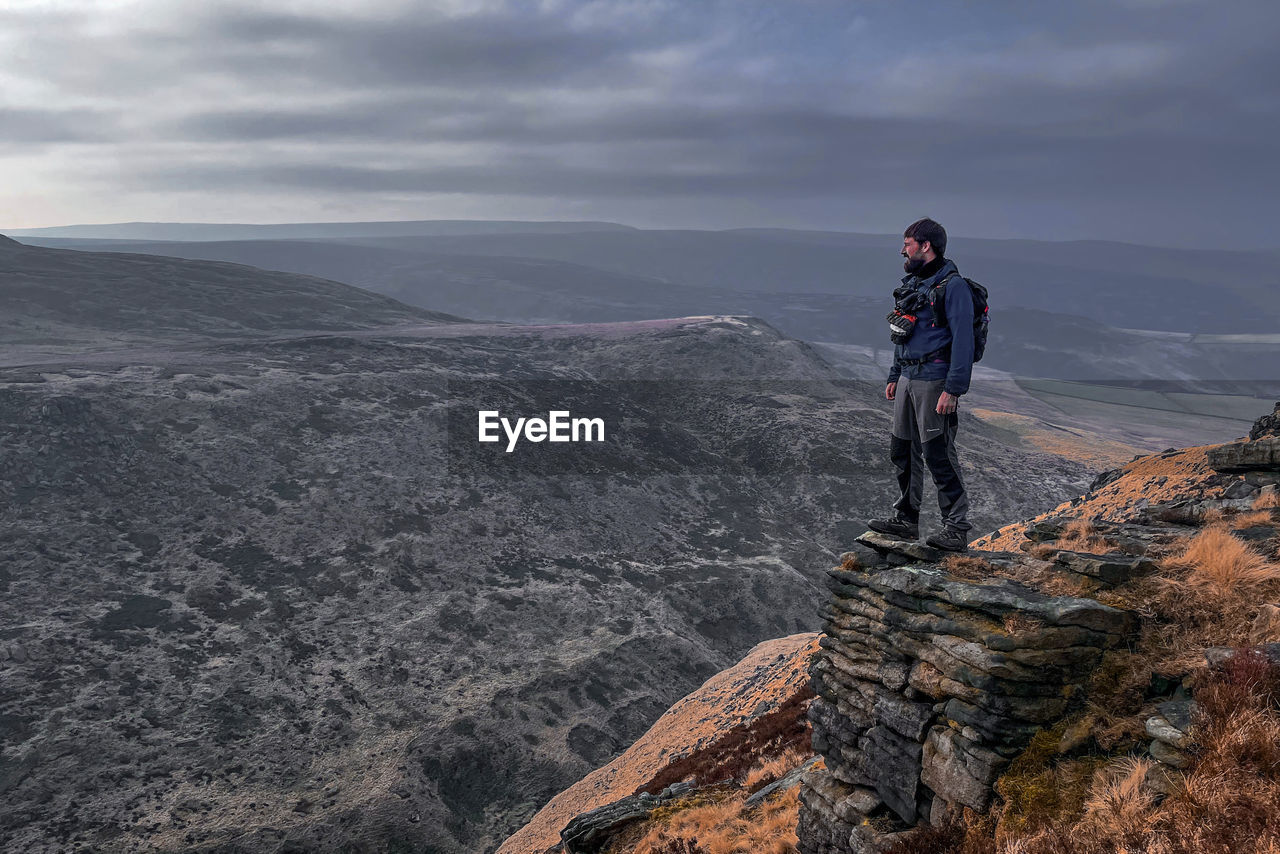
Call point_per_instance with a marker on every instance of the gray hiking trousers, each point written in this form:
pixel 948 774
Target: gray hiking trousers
pixel 922 437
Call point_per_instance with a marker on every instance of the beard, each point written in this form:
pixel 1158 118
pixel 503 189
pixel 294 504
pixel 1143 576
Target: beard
pixel 913 265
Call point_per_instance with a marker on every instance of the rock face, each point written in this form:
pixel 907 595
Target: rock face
pixel 928 684
pixel 1267 425
pixel 1261 454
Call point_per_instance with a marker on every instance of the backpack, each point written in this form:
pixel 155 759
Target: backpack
pixel 981 311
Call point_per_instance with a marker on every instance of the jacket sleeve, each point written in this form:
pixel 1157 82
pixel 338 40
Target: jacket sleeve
pixel 895 370
pixel 959 306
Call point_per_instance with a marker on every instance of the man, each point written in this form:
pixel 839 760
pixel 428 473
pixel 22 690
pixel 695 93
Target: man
pixel 930 372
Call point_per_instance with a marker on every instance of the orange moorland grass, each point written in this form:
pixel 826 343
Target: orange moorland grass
pixel 775 768
pixel 1217 559
pixel 1227 802
pixel 1043 551
pixel 1254 519
pixel 1209 592
pixel 1269 500
pixel 1120 800
pixel 1080 535
pixel 1048 581
pixel 967 566
pixel 722 827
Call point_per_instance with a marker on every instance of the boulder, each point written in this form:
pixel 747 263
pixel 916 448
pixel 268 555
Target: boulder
pixel 590 832
pixel 1261 454
pixel 1267 425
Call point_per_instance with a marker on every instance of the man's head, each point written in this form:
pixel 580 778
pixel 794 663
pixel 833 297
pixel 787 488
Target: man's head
pixel 922 242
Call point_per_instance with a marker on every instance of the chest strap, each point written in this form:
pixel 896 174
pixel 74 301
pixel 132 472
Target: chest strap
pixel 943 353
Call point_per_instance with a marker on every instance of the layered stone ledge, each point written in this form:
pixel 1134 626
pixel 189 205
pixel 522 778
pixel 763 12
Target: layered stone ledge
pixel 928 685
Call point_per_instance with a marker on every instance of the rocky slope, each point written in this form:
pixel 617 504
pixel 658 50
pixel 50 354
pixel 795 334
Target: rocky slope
pixel 986 684
pixel 773 673
pixel 269 592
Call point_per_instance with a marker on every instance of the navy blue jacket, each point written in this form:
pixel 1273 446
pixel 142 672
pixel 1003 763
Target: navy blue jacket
pixel 926 338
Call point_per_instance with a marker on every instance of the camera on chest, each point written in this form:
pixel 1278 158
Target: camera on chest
pixel 906 312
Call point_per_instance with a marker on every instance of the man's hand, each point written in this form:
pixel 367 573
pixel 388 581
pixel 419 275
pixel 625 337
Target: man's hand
pixel 947 403
pixel 890 390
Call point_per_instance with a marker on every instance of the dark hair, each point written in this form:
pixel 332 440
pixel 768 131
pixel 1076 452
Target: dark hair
pixel 927 230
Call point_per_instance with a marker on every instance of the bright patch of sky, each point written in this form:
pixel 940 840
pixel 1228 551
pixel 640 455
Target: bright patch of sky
pixel 1127 119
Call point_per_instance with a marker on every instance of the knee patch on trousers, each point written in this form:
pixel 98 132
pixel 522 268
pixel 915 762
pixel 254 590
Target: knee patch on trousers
pixel 937 453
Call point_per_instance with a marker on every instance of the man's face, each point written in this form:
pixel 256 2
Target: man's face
pixel 915 254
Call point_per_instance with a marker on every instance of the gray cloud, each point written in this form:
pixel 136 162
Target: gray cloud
pixel 35 125
pixel 731 104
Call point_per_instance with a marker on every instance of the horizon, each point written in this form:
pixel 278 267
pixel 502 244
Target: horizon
pixel 23 231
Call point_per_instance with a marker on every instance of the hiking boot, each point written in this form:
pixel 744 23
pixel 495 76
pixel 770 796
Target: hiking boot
pixel 896 527
pixel 949 539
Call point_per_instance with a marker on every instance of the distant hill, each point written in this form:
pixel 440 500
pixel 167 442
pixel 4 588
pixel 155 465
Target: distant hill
pixel 58 297
pixel 305 230
pixel 1117 284
pixel 1078 338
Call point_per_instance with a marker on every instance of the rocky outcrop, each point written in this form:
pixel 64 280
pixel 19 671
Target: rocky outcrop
pixel 590 832
pixel 1262 454
pixel 934 675
pixel 929 683
pixel 1267 425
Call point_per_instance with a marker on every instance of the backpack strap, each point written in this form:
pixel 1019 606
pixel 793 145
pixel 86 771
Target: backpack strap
pixel 938 305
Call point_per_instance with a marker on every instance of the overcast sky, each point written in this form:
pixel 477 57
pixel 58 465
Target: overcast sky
pixel 1140 120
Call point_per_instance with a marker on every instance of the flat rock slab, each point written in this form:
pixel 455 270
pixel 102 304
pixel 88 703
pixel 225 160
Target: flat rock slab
pixel 908 549
pixel 591 831
pixel 911 587
pixel 1111 569
pixel 789 781
pixel 1259 455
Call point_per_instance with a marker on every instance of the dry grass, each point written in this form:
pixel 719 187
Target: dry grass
pixel 1120 797
pixel 1080 535
pixel 1212 516
pixel 1050 581
pixel 742 747
pixel 851 562
pixel 723 827
pixel 1227 803
pixel 1255 519
pixel 1268 500
pixel 966 566
pixel 775 768
pixel 717 821
pixel 1043 551
pixel 1198 599
pixel 1018 623
pixel 1218 560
